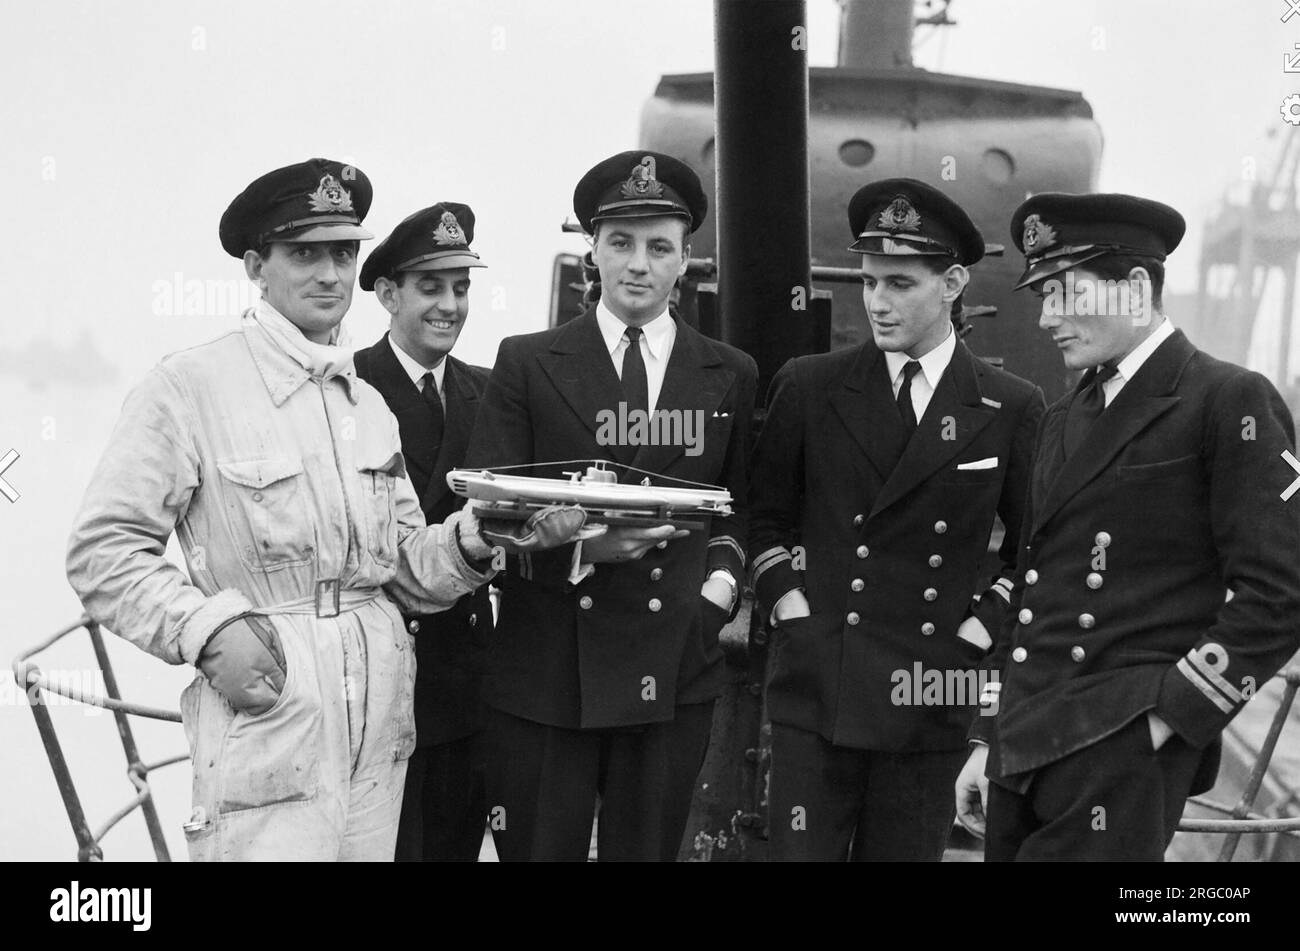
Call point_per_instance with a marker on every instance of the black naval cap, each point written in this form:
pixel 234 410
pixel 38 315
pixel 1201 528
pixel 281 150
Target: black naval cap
pixel 436 238
pixel 639 184
pixel 906 217
pixel 1057 231
pixel 315 200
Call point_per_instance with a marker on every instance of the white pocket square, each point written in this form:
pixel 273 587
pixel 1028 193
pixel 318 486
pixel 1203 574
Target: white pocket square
pixel 717 415
pixel 990 463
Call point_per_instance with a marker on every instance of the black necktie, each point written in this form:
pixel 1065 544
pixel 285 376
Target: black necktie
pixel 430 394
pixel 635 385
pixel 904 398
pixel 1086 407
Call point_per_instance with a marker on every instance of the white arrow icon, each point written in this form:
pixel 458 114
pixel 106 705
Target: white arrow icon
pixel 10 493
pixel 1291 61
pixel 1294 463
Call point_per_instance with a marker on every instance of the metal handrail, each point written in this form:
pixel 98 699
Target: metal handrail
pixel 29 676
pixel 36 684
pixel 1243 819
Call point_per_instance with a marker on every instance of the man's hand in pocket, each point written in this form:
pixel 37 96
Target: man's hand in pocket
pixel 245 663
pixel 718 591
pixel 793 605
pixel 973 631
pixel 1160 730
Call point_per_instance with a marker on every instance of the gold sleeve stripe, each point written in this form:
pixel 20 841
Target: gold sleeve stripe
pixel 1203 686
pixel 731 543
pixel 767 559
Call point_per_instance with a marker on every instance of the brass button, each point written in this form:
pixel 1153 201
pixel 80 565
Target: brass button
pixel 1077 654
pixel 1019 655
pixel 1103 539
pixel 857 584
pixel 940 527
pixel 655 604
pixel 929 594
pixel 936 561
pixel 257 496
pixel 858 520
pixel 1087 622
pixel 863 551
pixel 927 628
pixel 1031 576
pixel 473 620
pixel 413 627
pixel 1026 615
pixel 656 574
pixel 585 602
pixel 854 617
pixel 1094 580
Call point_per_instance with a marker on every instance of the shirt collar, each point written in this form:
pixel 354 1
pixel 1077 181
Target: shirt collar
pixel 932 364
pixel 414 369
pixel 281 373
pixel 1142 352
pixel 659 332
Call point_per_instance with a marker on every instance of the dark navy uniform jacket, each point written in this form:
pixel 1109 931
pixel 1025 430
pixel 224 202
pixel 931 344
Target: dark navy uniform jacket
pixel 893 536
pixel 1130 548
pixel 449 647
pixel 633 640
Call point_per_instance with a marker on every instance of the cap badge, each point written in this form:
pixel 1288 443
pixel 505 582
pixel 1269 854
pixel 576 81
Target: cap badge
pixel 1038 231
pixel 330 196
pixel 642 182
pixel 900 216
pixel 448 231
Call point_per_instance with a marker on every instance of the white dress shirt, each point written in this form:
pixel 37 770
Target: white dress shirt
pixel 657 339
pixel 927 381
pixel 416 370
pixel 1133 362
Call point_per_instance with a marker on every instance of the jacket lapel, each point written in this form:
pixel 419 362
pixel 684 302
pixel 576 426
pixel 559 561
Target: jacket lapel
pixel 461 408
pixel 865 404
pixel 1144 399
pixel 414 423
pixel 581 370
pixel 695 381
pixel 953 418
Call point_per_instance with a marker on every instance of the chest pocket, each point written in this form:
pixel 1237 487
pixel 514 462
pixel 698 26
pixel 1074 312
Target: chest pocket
pixel 1154 471
pixel 952 476
pixel 379 468
pixel 265 502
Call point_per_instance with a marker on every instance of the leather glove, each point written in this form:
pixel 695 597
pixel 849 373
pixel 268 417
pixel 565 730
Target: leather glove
pixel 550 527
pixel 244 661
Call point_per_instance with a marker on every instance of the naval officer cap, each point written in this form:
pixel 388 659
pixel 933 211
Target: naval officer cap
pixel 1057 231
pixel 436 238
pixel 901 216
pixel 639 184
pixel 315 200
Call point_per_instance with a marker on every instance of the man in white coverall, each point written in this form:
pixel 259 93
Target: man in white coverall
pixel 281 473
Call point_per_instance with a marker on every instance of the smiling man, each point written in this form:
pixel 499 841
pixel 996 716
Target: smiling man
pixel 281 475
pixel 876 481
pixel 421 275
pixel 605 664
pixel 1155 495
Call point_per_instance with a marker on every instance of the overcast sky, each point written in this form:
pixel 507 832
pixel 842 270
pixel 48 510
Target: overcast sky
pixel 128 127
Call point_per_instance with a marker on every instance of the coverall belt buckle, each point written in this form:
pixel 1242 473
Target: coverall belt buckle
pixel 327 597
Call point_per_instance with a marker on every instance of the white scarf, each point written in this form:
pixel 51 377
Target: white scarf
pixel 319 359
